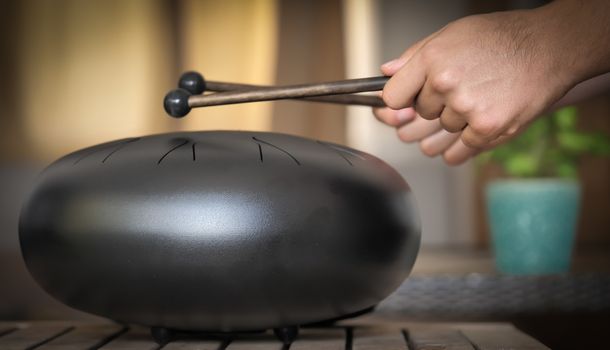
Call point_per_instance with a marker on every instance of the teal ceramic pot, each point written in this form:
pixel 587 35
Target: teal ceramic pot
pixel 533 224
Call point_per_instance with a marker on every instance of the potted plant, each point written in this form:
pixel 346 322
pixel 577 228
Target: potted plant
pixel 533 213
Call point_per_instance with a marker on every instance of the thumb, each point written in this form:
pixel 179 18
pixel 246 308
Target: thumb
pixel 391 67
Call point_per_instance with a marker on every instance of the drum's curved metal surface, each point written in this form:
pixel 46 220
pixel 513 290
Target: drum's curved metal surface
pixel 220 231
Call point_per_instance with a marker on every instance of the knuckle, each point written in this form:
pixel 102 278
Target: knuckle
pixel 426 114
pixel 450 125
pixel 424 111
pixel 462 103
pixel 471 140
pixel 485 127
pixel 391 99
pixel 444 81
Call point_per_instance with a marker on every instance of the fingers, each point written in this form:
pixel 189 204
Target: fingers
pixel 481 131
pixel 418 129
pixel 458 153
pixel 452 121
pixel 433 140
pixel 428 103
pixel 500 140
pixel 390 68
pixel 438 143
pixel 412 78
pixel 450 145
pixel 400 91
pixel 394 118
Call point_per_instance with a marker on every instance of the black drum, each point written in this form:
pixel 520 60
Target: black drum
pixel 220 231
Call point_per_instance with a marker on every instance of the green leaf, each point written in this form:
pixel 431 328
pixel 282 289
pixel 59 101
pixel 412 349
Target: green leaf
pixel 567 170
pixel 600 144
pixel 566 118
pixel 579 143
pixel 536 131
pixel 521 165
pixel 575 142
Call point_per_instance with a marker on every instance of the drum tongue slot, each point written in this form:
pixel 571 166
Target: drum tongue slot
pixel 171 150
pixel 259 141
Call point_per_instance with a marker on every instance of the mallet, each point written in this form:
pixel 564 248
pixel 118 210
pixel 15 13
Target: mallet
pixel 178 103
pixel 195 84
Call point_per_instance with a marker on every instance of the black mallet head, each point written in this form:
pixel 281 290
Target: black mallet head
pixel 176 103
pixel 193 82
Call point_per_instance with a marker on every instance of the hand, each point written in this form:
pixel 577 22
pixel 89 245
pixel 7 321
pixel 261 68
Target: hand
pixel 433 140
pixel 483 78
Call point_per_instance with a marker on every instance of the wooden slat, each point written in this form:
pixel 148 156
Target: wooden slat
pixel 193 344
pixel 320 339
pixel 84 337
pixel 33 335
pixel 7 327
pixel 364 338
pixel 502 338
pixel 265 341
pixel 437 339
pixel 448 336
pixel 136 338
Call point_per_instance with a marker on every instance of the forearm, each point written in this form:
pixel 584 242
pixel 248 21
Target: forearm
pixel 577 33
pixel 587 89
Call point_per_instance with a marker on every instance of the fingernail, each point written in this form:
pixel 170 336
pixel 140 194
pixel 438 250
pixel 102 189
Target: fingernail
pixel 404 115
pixel 393 64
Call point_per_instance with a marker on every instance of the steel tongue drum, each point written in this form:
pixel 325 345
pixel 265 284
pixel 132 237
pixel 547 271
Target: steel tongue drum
pixel 220 231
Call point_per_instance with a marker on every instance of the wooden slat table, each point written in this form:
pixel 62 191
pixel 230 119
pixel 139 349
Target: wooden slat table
pixel 389 336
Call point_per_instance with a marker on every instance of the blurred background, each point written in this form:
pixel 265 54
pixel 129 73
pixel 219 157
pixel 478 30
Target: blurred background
pixel 78 73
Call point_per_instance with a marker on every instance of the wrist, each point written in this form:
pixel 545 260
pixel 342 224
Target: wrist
pixel 573 35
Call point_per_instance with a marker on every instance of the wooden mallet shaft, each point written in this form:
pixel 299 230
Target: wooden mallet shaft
pixel 348 99
pixel 288 92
